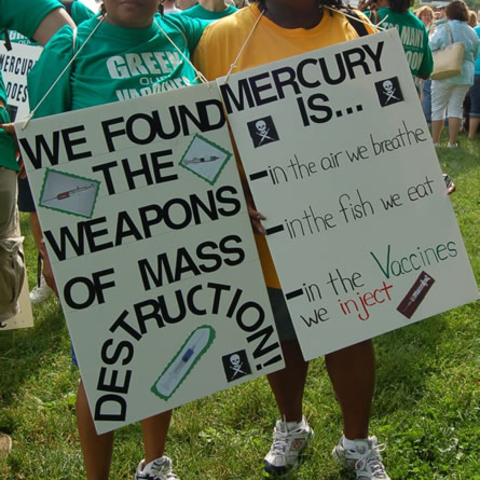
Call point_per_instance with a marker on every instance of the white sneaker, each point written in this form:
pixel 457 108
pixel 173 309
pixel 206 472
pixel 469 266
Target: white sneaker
pixel 159 469
pixel 289 439
pixel 365 460
pixel 41 292
pixel 452 145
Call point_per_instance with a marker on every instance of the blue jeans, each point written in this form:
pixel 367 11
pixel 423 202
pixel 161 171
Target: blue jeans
pixel 427 100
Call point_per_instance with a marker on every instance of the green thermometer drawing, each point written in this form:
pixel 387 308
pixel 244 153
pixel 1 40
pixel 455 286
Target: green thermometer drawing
pixel 183 362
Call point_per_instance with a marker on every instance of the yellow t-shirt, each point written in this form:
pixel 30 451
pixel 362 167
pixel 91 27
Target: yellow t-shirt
pixel 222 41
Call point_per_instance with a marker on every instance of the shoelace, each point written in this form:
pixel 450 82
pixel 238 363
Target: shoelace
pixel 280 441
pixel 373 459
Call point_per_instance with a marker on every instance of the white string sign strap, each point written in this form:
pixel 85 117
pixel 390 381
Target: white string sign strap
pixel 245 43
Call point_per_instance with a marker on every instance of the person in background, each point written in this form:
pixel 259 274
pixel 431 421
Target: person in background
pixel 474 120
pixel 38 19
pixel 42 291
pixel 210 10
pixel 439 15
pixel 50 17
pixel 395 14
pixel 450 92
pixel 286 28
pixel 425 14
pixel 427 83
pixel 472 19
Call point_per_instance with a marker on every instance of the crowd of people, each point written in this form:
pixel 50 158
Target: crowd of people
pixel 455 98
pixel 213 45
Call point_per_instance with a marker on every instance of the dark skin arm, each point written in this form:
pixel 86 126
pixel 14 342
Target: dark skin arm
pixel 255 216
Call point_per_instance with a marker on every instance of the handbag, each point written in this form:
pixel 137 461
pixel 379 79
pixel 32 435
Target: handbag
pixel 448 62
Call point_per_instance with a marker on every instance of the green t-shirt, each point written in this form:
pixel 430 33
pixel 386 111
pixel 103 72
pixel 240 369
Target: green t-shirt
pixel 79 13
pixel 414 38
pixel 115 64
pixel 199 12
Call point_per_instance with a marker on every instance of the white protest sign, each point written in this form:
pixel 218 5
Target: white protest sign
pixel 152 249
pixel 340 161
pixel 15 65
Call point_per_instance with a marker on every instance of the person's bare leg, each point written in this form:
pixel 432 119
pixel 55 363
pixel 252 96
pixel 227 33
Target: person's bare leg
pixel 288 384
pixel 352 373
pixel 38 236
pixel 36 230
pixel 453 129
pixel 155 431
pixel 473 127
pixel 96 449
pixel 437 127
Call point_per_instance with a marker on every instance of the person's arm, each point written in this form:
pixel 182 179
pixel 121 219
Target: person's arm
pixel 53 22
pixel 436 40
pixel 55 56
pixel 38 19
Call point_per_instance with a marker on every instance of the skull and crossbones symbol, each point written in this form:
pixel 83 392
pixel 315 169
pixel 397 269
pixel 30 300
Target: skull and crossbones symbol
pixel 389 90
pixel 236 365
pixel 262 131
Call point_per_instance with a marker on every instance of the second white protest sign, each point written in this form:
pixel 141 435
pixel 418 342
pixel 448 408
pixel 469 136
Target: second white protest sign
pixel 339 159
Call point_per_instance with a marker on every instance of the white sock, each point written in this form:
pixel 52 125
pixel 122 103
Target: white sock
pixel 294 425
pixel 348 444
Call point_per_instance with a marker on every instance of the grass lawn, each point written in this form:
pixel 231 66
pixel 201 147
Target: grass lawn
pixel 426 407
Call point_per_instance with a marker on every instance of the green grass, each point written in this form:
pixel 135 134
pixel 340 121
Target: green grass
pixel 427 404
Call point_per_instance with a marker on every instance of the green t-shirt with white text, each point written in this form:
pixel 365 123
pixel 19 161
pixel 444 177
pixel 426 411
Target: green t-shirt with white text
pixel 414 38
pixel 115 64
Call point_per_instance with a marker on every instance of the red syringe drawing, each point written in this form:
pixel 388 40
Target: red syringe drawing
pixel 69 193
pixel 416 294
pixel 212 158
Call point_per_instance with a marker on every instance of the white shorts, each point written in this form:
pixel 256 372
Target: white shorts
pixel 451 95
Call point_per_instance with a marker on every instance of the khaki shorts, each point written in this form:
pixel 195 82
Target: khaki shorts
pixel 12 265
